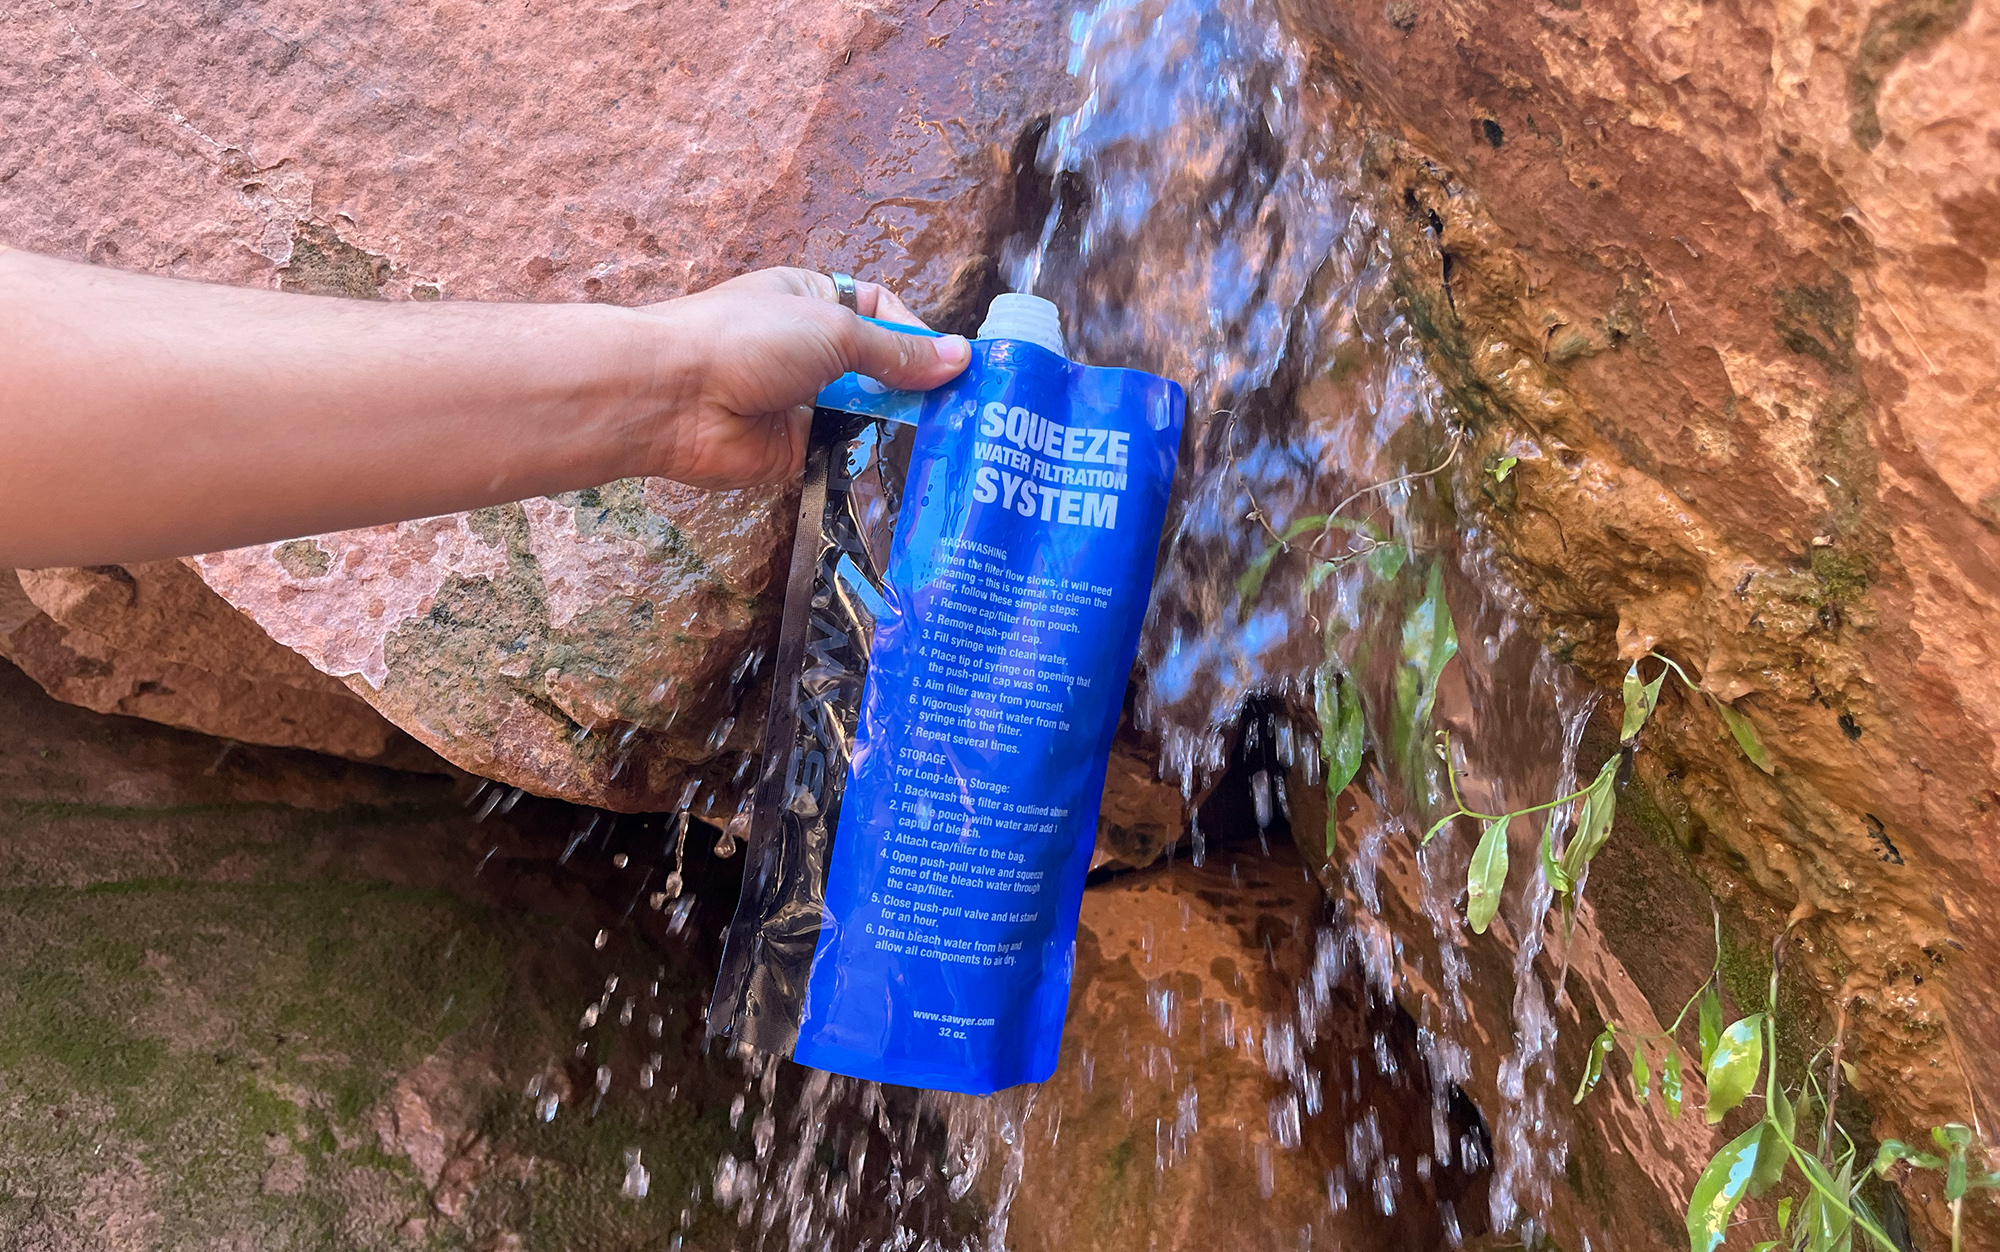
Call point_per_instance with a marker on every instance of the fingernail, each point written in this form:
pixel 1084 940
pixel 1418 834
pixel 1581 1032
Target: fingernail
pixel 953 350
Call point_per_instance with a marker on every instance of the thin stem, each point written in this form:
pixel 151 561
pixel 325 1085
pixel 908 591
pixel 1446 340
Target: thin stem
pixel 1451 776
pixel 1533 808
pixel 1713 970
pixel 1256 510
pixel 1675 667
pixel 1457 439
pixel 1833 1079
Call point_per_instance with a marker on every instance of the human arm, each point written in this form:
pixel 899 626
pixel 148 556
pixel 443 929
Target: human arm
pixel 143 417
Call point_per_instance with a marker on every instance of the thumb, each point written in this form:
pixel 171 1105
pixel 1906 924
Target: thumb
pixel 905 362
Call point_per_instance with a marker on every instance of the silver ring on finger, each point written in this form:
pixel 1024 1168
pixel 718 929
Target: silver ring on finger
pixel 843 291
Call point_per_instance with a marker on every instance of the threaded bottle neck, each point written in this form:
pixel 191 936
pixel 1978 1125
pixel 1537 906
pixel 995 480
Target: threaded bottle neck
pixel 1030 319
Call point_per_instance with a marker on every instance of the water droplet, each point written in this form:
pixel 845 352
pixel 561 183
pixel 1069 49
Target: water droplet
pixel 637 1180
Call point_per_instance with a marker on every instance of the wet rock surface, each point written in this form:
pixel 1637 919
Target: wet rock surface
pixel 583 646
pixel 1717 278
pixel 1175 1119
pixel 265 998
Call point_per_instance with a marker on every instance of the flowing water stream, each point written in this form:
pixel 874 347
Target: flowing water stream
pixel 1204 216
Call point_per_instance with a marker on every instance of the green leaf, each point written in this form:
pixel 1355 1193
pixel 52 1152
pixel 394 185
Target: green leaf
pixel 1711 1023
pixel 1642 1074
pixel 1386 559
pixel 1486 876
pixel 1593 1064
pixel 1670 1079
pixel 1316 522
pixel 1593 821
pixel 1746 736
pixel 1349 740
pixel 1784 1213
pixel 1773 1149
pixel 1765 1246
pixel 1442 822
pixel 1954 1138
pixel 1429 642
pixel 1341 736
pixel 1504 468
pixel 1640 700
pixel 1251 580
pixel 1719 1190
pixel 1733 1070
pixel 1894 1150
pixel 1558 877
pixel 1826 1225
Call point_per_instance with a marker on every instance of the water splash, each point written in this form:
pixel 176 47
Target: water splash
pixel 1206 219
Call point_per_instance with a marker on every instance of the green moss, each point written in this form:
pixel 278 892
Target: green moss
pixel 304 558
pixel 1818 322
pixel 1121 1158
pixel 1842 577
pixel 1638 804
pixel 1350 357
pixel 49 1015
pixel 324 264
pixel 192 1026
pixel 574 1200
pixel 1746 972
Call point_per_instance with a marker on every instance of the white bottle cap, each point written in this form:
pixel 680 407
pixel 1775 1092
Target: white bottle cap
pixel 1030 319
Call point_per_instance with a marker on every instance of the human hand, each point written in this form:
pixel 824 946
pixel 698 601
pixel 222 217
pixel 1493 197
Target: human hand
pixel 749 355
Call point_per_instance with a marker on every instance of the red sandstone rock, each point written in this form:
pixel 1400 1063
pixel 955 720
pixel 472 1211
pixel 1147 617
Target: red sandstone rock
pixel 1721 278
pixel 625 155
pixel 152 641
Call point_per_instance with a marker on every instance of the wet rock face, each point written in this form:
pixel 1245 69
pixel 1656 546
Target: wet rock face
pixel 381 153
pixel 1719 279
pixel 1176 1119
pixel 264 998
pixel 152 641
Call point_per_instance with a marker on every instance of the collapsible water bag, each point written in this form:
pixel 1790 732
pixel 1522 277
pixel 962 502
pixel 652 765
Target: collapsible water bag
pixel 951 666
